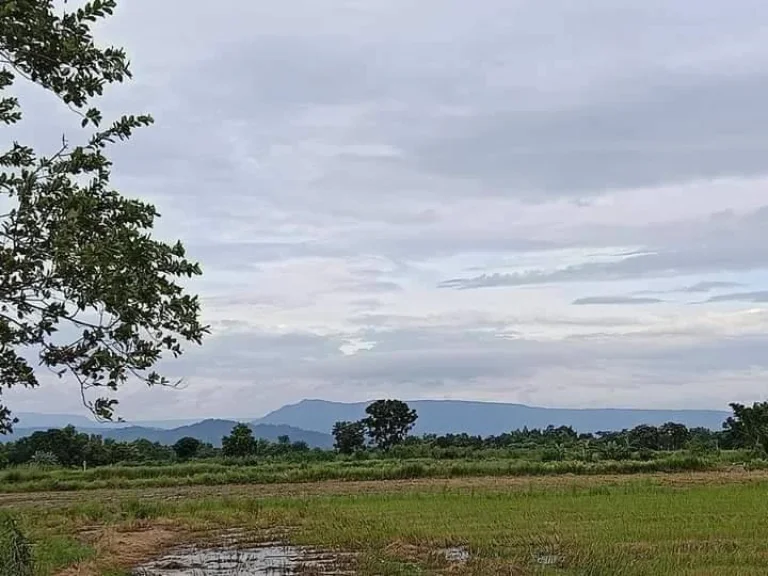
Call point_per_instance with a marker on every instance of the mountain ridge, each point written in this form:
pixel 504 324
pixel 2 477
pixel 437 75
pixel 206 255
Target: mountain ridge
pixel 492 418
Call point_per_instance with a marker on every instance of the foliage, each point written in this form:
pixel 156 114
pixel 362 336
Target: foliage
pixel 15 550
pixel 673 436
pixel 389 422
pixel 749 425
pixel 44 459
pixel 187 447
pixel 83 285
pixel 240 442
pixel 349 437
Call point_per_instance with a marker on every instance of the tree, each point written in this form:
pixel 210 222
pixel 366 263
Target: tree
pixel 644 436
pixel 84 288
pixel 240 442
pixel 748 426
pixel 673 436
pixel 187 447
pixel 349 437
pixel 389 422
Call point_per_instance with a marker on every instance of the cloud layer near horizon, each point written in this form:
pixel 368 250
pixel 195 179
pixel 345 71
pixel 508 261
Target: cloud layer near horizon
pixel 560 204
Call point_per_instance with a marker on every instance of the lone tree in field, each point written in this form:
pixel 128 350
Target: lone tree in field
pixel 239 443
pixel 389 422
pixel 85 290
pixel 349 437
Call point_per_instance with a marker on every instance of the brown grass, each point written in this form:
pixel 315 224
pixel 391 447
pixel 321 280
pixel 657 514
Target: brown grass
pixel 125 548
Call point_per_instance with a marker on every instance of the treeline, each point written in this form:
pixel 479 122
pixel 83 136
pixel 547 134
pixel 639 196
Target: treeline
pixel 384 433
pixel 69 448
pixel 564 443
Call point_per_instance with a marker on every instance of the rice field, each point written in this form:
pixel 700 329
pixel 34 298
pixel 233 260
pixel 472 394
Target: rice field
pixel 681 523
pixel 35 478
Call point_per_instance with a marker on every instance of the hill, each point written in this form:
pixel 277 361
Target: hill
pixel 486 418
pixel 207 431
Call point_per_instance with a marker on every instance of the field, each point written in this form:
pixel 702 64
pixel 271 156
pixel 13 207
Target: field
pixel 656 523
pixel 36 479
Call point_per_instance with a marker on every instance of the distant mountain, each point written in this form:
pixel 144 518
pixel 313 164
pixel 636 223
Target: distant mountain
pixel 486 418
pixel 207 431
pixel 36 420
pixel 33 420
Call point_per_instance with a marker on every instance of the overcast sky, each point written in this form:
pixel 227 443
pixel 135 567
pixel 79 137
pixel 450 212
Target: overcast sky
pixel 557 203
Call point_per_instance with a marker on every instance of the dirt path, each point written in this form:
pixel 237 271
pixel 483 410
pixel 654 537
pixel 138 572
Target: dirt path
pixel 682 479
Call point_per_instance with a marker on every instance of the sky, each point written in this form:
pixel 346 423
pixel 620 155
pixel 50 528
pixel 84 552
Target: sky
pixel 554 203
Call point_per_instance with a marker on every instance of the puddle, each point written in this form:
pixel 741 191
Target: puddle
pixel 548 559
pixel 268 559
pixel 456 554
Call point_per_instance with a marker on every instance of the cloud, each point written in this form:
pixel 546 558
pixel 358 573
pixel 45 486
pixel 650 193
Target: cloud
pixel 753 297
pixel 724 243
pixel 615 300
pixel 708 286
pixel 350 173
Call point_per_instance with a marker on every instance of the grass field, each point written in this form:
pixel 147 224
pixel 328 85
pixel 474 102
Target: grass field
pixel 31 479
pixel 684 523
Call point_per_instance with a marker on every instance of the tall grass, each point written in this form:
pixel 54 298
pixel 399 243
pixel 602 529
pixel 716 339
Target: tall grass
pixel 32 479
pixel 15 550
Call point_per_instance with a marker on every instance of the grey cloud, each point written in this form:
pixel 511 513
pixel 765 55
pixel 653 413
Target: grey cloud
pixel 424 355
pixel 242 255
pixel 522 130
pixel 708 286
pixel 615 300
pixel 699 128
pixel 758 297
pixel 725 243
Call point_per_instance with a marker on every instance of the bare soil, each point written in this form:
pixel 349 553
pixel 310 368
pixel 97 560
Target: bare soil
pixel 125 548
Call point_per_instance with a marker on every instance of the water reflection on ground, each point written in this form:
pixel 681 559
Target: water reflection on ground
pixel 267 559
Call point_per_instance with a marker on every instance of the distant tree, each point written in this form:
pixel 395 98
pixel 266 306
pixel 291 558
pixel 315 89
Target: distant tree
pixel 207 450
pixel 673 436
pixel 240 442
pixel 300 446
pixel 349 437
pixel 644 437
pixel 187 447
pixel 749 425
pixel 560 433
pixel 389 422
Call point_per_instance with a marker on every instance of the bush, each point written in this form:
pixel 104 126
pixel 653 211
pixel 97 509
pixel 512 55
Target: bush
pixel 15 551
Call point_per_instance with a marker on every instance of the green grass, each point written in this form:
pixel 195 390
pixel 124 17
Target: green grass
pixel 633 528
pixel 29 479
pixel 55 552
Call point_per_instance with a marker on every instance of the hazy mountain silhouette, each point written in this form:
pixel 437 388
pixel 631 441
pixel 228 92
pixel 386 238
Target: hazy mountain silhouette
pixel 311 421
pixel 486 418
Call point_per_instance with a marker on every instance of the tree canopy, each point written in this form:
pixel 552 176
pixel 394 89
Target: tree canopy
pixel 349 437
pixel 389 422
pixel 240 442
pixel 85 290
